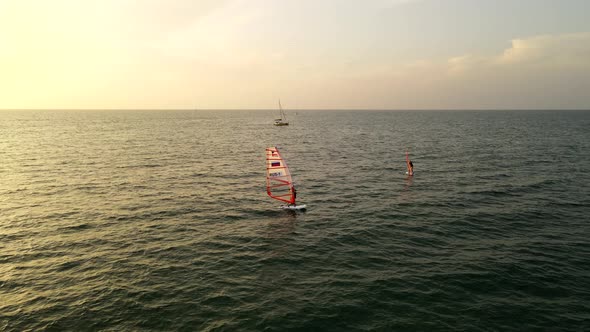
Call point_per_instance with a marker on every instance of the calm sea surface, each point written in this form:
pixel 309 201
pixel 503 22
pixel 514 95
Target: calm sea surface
pixel 159 220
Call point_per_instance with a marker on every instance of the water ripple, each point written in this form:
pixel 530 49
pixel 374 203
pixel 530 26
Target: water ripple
pixel 159 221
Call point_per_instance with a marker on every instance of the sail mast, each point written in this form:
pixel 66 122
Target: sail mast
pixel 283 115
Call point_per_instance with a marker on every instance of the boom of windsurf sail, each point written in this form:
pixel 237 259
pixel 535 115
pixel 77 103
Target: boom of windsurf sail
pixel 279 184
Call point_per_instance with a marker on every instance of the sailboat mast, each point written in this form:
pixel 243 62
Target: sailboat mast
pixel 283 115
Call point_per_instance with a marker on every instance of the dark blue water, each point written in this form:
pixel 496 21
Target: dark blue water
pixel 159 220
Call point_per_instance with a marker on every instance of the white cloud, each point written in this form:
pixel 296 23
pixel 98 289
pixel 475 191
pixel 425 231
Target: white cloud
pixel 392 3
pixel 217 38
pixel 565 49
pixel 551 71
pixel 246 53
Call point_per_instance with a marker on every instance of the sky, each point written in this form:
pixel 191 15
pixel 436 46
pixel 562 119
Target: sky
pixel 311 54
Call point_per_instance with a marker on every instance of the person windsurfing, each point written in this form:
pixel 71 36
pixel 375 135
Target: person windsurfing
pixel 409 164
pixel 294 192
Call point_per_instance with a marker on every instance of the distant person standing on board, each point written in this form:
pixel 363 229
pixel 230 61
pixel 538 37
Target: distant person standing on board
pixel 294 192
pixel 409 164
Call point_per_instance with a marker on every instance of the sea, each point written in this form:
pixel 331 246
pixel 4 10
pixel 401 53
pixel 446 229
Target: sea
pixel 146 220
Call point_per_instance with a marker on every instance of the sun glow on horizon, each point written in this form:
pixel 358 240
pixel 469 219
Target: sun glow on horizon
pixel 238 54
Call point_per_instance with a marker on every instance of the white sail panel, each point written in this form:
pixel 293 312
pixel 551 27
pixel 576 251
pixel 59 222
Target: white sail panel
pixel 279 184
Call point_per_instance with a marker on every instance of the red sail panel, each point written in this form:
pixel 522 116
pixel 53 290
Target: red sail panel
pixel 279 184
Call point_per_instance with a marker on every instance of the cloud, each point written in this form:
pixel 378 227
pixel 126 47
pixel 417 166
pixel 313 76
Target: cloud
pixel 549 71
pixel 566 49
pixel 246 53
pixel 222 37
pixel 392 3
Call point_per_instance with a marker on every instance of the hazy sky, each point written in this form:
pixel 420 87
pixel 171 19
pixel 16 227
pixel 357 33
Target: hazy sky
pixel 315 54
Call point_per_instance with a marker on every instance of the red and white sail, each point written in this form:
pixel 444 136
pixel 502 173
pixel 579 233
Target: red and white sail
pixel 279 184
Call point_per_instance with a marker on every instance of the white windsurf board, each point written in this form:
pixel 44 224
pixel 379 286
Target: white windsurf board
pixel 294 207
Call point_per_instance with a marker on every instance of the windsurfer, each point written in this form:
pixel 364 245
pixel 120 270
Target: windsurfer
pixel 409 164
pixel 294 192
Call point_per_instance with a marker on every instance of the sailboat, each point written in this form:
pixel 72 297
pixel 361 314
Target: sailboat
pixel 282 121
pixel 279 184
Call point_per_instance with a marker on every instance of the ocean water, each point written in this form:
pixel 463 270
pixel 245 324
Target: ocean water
pixel 159 221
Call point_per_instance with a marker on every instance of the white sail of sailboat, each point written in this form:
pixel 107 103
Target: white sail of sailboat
pixel 282 121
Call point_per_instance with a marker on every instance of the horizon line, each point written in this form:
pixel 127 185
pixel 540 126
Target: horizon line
pixel 298 109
